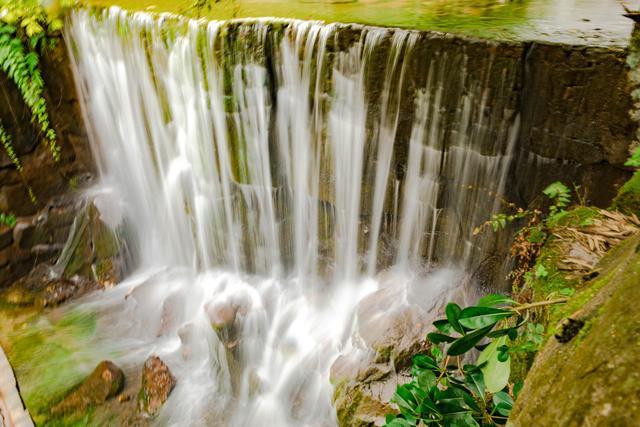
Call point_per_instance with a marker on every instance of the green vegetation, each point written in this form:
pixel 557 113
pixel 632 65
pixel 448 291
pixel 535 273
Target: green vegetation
pixel 49 358
pixel 592 361
pixel 628 198
pixel 8 220
pixel 444 393
pixel 634 160
pixel 508 333
pixel 26 30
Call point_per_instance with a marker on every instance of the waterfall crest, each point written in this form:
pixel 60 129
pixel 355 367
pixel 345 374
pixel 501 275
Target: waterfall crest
pixel 276 167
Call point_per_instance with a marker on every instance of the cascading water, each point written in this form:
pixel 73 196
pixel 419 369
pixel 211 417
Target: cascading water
pixel 266 172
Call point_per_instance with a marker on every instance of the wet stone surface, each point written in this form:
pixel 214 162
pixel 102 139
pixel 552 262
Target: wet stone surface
pixel 157 384
pixel 105 382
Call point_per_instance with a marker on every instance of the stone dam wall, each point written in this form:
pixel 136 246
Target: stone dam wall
pixel 572 104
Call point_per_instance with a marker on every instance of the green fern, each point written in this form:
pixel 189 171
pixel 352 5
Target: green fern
pixel 26 20
pixel 5 140
pixel 22 68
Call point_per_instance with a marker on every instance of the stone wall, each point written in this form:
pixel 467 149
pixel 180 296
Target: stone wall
pixel 42 227
pixel 572 103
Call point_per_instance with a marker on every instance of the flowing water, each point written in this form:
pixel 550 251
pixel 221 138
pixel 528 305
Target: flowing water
pixel 266 176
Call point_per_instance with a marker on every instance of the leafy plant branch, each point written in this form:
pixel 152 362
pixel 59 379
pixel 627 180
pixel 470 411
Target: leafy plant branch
pixel 479 394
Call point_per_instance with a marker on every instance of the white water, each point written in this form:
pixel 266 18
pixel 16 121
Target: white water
pixel 267 192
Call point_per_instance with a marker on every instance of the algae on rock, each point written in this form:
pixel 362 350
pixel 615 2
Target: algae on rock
pixel 593 378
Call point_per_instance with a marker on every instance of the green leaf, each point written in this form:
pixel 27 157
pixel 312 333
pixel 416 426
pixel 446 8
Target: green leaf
pixel 541 271
pixel 444 326
pixel 453 311
pixel 467 342
pixel 461 420
pixel 475 380
pixel 437 354
pixel 481 317
pixel 503 403
pixel 495 372
pixel 406 401
pixel 422 361
pixel 424 378
pixel 494 300
pixel 437 338
pixel 517 387
pixel 399 422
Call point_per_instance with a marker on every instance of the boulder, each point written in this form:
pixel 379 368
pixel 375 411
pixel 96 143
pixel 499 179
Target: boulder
pixel 106 381
pixel 587 373
pixel 157 384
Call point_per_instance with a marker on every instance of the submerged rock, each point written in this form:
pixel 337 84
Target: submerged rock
pixel 157 384
pixel 106 381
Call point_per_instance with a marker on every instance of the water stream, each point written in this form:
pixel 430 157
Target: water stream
pixel 267 175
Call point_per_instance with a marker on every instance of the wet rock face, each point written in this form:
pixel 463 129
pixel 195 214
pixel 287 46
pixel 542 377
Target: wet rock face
pixel 90 257
pixel 157 384
pixel 105 382
pixel 35 239
pixel 42 226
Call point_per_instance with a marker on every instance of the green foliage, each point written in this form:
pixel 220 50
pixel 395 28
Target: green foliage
pixel 5 140
pixel 8 220
pixel 634 160
pixel 560 195
pixel 442 393
pixel 25 28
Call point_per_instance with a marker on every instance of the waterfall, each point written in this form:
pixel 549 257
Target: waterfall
pixel 272 169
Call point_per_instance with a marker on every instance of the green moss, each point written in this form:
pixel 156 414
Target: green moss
pixel 628 198
pixel 74 420
pixel 580 216
pixel 554 283
pixel 49 358
pixel 592 379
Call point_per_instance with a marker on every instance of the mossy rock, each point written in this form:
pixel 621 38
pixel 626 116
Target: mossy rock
pixel 47 355
pixel 628 198
pixel 592 377
pixel 92 250
pixel 105 382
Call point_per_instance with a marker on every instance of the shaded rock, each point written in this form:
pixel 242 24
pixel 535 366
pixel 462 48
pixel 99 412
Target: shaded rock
pixel 104 382
pixel 628 197
pixel 91 250
pixel 157 384
pixel 6 236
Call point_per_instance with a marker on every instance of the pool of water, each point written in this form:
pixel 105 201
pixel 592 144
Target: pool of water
pixel 582 22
